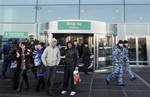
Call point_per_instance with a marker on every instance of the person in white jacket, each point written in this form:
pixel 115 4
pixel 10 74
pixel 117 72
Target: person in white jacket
pixel 51 58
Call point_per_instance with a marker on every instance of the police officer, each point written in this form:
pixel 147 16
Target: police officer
pixel 126 65
pixel 117 61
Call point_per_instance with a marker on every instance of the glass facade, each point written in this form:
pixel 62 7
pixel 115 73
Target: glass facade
pixel 19 14
pixel 35 12
pixel 106 13
pixel 50 13
pixel 131 16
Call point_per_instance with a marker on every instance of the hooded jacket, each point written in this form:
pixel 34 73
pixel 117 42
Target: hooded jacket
pixel 51 56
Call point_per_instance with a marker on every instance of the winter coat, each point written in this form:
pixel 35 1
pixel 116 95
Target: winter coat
pixel 51 56
pixel 117 55
pixel 28 58
pixel 37 58
pixel 86 54
pixel 72 57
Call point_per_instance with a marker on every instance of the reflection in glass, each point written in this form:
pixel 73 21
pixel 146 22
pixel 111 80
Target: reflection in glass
pixel 101 1
pixel 17 28
pixel 132 50
pixel 58 1
pixel 47 13
pixel 106 13
pixel 17 2
pixel 142 48
pixel 137 1
pixel 137 13
pixel 104 51
pixel 17 14
pixel 136 29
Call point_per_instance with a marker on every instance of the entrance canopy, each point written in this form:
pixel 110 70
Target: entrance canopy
pixel 80 26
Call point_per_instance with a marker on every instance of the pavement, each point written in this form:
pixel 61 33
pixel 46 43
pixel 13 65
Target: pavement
pixel 92 85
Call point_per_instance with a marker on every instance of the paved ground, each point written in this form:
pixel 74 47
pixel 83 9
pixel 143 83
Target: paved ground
pixel 92 85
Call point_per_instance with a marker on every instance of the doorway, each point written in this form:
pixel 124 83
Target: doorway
pixel 138 50
pixel 99 44
pixel 103 51
pixel 80 38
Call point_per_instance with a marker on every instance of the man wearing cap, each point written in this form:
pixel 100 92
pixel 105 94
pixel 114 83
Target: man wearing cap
pixel 126 65
pixel 117 61
pixel 51 58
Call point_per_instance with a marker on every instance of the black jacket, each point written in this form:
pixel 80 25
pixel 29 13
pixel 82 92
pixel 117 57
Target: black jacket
pixel 72 57
pixel 86 54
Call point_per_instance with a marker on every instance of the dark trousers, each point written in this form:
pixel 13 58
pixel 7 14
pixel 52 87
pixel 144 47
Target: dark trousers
pixel 41 83
pixel 51 74
pixel 34 71
pixel 68 78
pixel 5 65
pixel 15 78
pixel 86 65
pixel 23 78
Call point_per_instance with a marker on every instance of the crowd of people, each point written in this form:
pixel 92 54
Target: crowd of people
pixel 43 60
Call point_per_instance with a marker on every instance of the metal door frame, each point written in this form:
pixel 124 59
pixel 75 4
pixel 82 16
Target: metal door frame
pixel 137 61
pixel 96 48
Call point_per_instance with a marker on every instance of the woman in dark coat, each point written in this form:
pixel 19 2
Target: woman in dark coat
pixel 71 61
pixel 23 60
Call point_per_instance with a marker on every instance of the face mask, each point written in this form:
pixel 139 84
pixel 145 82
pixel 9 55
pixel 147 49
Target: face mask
pixel 126 45
pixel 121 45
pixel 86 45
pixel 75 43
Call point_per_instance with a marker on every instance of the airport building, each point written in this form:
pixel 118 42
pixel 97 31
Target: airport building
pixel 101 23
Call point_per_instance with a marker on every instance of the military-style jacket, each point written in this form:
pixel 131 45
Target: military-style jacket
pixel 126 55
pixel 117 55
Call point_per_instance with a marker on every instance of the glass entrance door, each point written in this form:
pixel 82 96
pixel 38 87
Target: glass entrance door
pixel 138 50
pixel 103 51
pixel 142 51
pixel 132 51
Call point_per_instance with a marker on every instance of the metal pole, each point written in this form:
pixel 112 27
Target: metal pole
pixel 124 11
pixel 79 14
pixel 36 19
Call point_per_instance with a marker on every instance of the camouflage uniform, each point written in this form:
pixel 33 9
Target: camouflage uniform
pixel 126 65
pixel 117 61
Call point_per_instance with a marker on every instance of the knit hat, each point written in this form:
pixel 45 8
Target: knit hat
pixel 120 42
pixel 125 41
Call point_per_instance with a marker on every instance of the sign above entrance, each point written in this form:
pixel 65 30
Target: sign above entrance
pixel 74 25
pixel 16 34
